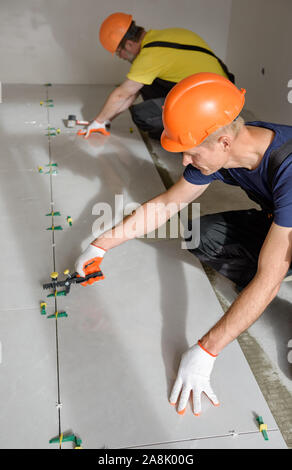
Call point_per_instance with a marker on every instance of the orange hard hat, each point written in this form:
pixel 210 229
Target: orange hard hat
pixel 113 29
pixel 196 107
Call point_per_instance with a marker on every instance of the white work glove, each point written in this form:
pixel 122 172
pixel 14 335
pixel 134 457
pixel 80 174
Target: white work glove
pixel 95 126
pixel 193 375
pixel 89 262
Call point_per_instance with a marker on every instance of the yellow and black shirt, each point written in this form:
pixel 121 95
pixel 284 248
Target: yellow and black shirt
pixel 172 64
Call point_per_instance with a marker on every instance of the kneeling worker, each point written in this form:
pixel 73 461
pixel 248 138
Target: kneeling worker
pixel 160 59
pixel 253 248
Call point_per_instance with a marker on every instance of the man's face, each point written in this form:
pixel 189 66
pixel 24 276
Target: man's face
pixel 128 51
pixel 207 159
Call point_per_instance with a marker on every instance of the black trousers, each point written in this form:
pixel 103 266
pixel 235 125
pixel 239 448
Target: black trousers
pixel 148 115
pixel 230 242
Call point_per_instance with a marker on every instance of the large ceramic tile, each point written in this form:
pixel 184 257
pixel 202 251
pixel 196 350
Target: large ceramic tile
pixel 26 255
pixel 28 390
pixel 125 336
pixel 120 346
pixel 23 129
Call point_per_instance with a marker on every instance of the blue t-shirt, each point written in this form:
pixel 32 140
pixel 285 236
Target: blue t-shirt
pixel 256 180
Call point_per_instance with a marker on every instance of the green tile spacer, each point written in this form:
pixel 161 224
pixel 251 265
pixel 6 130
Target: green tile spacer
pixel 58 294
pixel 69 220
pixel 52 164
pixel 53 214
pixel 71 438
pixel 58 315
pixel 51 172
pixel 57 227
pixel 58 130
pixel 51 135
pixel 263 428
pixel 43 308
pixel 48 105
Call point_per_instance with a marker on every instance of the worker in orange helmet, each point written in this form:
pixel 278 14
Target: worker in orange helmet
pixel 159 59
pixel 253 247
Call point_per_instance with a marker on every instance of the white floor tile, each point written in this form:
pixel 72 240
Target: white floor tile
pixel 120 346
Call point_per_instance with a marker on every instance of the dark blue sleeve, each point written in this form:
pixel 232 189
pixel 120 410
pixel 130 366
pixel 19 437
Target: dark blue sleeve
pixel 282 195
pixel 194 176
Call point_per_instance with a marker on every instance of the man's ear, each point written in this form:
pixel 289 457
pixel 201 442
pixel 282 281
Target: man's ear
pixel 225 142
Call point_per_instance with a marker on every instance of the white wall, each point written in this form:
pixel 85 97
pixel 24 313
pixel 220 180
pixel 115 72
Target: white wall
pixel 57 40
pixel 260 37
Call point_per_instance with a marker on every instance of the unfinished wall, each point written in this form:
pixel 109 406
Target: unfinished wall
pixel 57 40
pixel 259 53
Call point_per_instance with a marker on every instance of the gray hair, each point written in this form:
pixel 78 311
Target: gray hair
pixel 233 128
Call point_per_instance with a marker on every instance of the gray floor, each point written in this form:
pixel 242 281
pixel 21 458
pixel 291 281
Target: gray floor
pixel 105 372
pixel 267 344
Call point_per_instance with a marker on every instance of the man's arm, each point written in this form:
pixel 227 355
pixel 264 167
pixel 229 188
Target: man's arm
pixel 145 219
pixel 151 214
pixel 197 362
pixel 274 261
pixel 119 100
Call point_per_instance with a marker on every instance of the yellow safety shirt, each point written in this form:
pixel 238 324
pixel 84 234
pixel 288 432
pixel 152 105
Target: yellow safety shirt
pixel 172 64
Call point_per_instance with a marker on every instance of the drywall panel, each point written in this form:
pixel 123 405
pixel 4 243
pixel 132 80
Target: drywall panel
pixel 259 54
pixel 57 40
